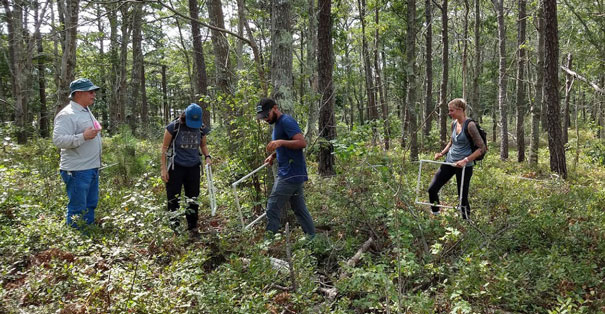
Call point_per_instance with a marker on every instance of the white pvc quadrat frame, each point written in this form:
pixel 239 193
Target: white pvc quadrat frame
pixel 418 183
pixel 211 189
pixel 239 208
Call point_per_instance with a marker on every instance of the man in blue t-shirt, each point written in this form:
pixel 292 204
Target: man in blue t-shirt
pixel 287 146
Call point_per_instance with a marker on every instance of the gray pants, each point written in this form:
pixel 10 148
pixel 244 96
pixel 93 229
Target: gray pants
pixel 281 193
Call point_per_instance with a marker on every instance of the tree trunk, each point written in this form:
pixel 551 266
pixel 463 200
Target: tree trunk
pixel 17 62
pixel 223 69
pixel 327 125
pixel 465 53
pixel 502 106
pixel 200 86
pixel 444 73
pixel 350 87
pixel 551 88
pixel 137 63
pixel 476 102
pixel 44 120
pixel 185 50
pixel 568 84
pixel 536 109
pixel 379 81
pixel 112 87
pixel 281 55
pixel 122 92
pixel 144 103
pixel 521 97
pixel 372 110
pixel 69 31
pixel 239 49
pixel 311 70
pixel 428 104
pixel 258 57
pixel 411 75
pixel 165 104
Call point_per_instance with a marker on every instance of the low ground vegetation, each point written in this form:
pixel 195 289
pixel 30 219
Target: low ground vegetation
pixel 536 243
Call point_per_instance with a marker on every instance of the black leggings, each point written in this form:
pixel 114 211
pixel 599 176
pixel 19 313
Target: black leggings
pixel 189 177
pixel 443 175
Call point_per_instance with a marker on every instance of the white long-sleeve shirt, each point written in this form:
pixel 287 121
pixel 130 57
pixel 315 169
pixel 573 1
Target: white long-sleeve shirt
pixel 68 134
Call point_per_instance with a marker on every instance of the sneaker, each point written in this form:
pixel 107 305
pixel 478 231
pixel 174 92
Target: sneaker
pixel 437 213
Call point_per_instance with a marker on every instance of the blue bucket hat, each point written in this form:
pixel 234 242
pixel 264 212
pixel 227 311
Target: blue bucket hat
pixel 193 116
pixel 81 85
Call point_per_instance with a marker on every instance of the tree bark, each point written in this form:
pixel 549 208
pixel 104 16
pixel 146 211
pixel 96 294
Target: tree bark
pixel 327 127
pixel 537 106
pixel 372 110
pixel 521 97
pixel 568 84
pixel 200 87
pixel 476 102
pixel 379 82
pixel 551 89
pixel 444 72
pixel 311 70
pixel 17 63
pixel 165 96
pixel 69 31
pixel 112 88
pixel 44 127
pixel 137 64
pixel 465 52
pixel 122 91
pixel 411 74
pixel 499 6
pixel 188 64
pixel 281 55
pixel 428 104
pixel 224 71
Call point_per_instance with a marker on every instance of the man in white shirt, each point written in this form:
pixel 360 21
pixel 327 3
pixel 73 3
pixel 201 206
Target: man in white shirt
pixel 78 134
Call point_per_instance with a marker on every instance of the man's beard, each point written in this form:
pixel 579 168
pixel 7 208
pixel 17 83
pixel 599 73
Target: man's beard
pixel 272 120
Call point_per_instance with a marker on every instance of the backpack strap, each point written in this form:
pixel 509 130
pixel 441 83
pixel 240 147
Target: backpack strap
pixel 171 148
pixel 465 128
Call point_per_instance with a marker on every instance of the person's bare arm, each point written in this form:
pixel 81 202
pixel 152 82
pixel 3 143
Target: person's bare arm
pixel 444 151
pixel 297 142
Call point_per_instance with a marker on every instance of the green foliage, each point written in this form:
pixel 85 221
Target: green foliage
pixel 596 152
pixel 535 243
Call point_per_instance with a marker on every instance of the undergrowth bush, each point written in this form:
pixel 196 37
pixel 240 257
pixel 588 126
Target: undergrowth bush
pixel 535 243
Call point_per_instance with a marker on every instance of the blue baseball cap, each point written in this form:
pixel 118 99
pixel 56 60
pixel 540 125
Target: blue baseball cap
pixel 81 85
pixel 193 116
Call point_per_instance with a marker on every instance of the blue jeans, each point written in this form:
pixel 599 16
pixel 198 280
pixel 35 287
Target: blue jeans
pixel 82 188
pixel 281 193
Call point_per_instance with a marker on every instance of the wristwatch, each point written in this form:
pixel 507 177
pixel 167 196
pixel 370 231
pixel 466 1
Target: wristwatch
pixel 208 156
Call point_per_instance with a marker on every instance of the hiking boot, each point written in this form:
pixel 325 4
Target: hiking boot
pixel 194 235
pixel 465 213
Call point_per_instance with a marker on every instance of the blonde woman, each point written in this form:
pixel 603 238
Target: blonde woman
pixel 458 151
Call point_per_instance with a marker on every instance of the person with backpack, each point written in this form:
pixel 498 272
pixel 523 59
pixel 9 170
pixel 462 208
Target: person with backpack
pixel 465 146
pixel 78 135
pixel 287 147
pixel 184 138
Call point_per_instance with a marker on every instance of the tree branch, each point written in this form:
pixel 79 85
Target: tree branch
pixel 222 30
pixel 583 79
